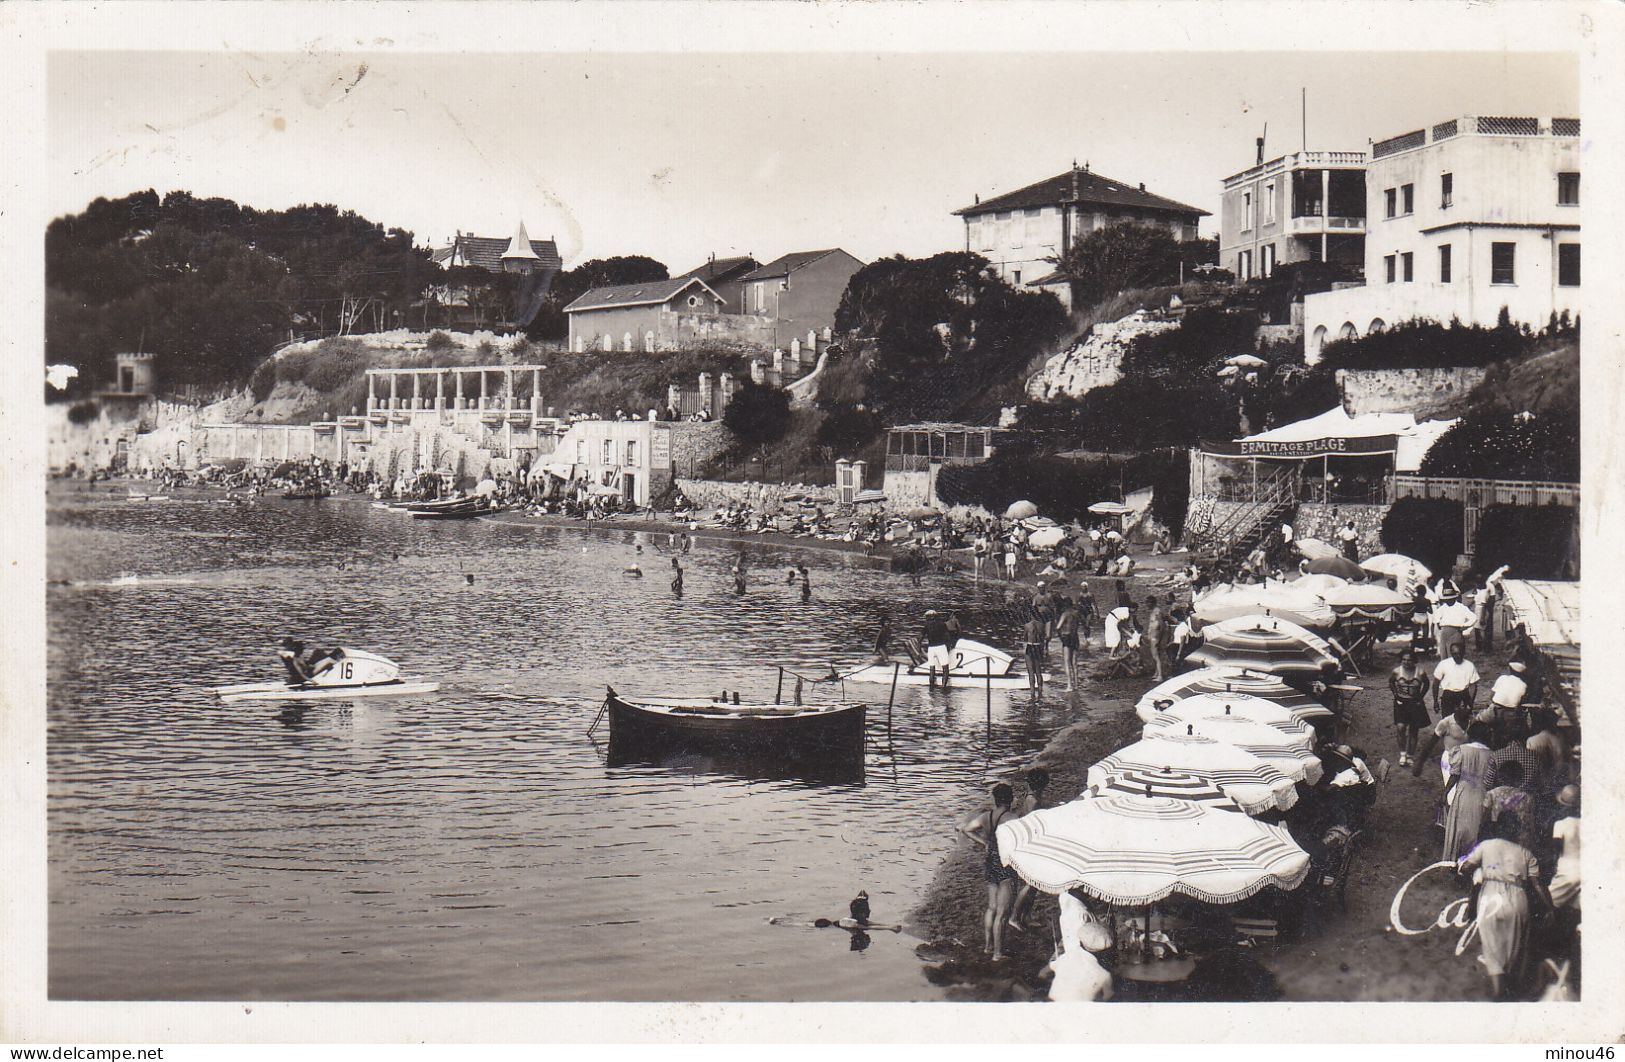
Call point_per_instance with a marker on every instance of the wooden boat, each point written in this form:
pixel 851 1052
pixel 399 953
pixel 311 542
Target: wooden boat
pixel 436 505
pixel 671 725
pixel 466 511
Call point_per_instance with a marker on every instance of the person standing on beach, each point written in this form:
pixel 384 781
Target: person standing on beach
pixel 1156 633
pixel 1035 638
pixel 983 828
pixel 979 552
pixel 1037 797
pixel 1066 629
pixel 1409 688
pixel 916 563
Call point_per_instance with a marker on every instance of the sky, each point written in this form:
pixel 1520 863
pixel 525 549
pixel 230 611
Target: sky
pixel 682 155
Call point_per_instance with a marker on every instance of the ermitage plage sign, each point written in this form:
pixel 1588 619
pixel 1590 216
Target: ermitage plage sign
pixel 1373 444
pixel 1452 916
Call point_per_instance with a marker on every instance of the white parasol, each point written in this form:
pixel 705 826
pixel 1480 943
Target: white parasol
pixel 1137 850
pixel 1047 537
pixel 1269 599
pixel 1315 549
pixel 1020 510
pixel 1293 722
pixel 1227 683
pixel 1289 754
pixel 1177 764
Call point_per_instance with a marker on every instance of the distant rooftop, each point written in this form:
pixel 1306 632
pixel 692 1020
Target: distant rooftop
pixel 720 270
pixel 1080 186
pixel 1475 125
pixel 648 293
pixel 487 252
pixel 786 264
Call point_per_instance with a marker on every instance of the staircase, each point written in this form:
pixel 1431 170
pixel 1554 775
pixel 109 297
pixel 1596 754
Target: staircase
pixel 1243 528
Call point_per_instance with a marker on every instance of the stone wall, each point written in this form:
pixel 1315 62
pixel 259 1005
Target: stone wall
pixel 907 490
pixel 715 330
pixel 1429 394
pixel 1322 520
pixel 763 497
pixel 694 444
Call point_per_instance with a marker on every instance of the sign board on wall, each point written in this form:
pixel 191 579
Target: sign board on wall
pixel 1335 447
pixel 660 448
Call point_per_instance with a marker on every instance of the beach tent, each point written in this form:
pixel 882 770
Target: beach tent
pixel 1137 850
pixel 1358 434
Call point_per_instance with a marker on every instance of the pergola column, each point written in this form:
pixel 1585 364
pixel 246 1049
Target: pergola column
pixel 439 391
pixel 507 384
pixel 372 398
pixel 458 374
pixel 535 392
pixel 484 389
pixel 394 397
pixel 417 390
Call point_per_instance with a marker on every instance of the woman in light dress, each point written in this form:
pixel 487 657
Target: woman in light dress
pixel 1469 766
pixel 1565 887
pixel 1506 873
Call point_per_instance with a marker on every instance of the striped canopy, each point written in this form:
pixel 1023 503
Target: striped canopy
pixel 1287 753
pixel 1186 766
pixel 1368 599
pixel 1230 682
pixel 1262 643
pixel 1136 850
pixel 1272 599
pixel 1293 722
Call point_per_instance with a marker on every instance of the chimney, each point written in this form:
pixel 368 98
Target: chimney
pixel 978 201
pixel 1260 143
pixel 1142 186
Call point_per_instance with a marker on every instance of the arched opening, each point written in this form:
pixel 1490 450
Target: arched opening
pixel 1317 342
pixel 626 342
pixel 648 342
pixel 1377 325
pixel 608 342
pixel 1348 331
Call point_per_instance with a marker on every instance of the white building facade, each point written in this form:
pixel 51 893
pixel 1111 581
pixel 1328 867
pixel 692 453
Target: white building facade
pixel 1306 206
pixel 1464 219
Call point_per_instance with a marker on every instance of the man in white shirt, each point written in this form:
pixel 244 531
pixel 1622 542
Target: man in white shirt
pixel 1506 697
pixel 1350 540
pixel 1455 681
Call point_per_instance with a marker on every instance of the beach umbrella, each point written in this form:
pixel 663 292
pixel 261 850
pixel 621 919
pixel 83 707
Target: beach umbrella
pixel 1339 566
pixel 1291 722
pixel 1275 625
pixel 1034 523
pixel 1188 766
pixel 1269 599
pixel 1317 584
pixel 1020 510
pixel 1286 753
pixel 1230 370
pixel 1401 567
pixel 1314 548
pixel 1137 850
pixel 1225 685
pixel 1367 599
pixel 1251 361
pixel 1047 537
pixel 1110 508
pixel 1257 644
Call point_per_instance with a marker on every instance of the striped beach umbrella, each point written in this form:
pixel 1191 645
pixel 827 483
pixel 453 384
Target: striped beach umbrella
pixel 1289 754
pixel 1260 643
pixel 1187 766
pixel 1229 682
pixel 1137 850
pixel 1293 722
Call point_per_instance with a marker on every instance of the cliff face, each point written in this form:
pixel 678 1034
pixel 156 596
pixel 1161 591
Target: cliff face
pixel 1094 362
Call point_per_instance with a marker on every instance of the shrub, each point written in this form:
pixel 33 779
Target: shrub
pixel 848 428
pixel 263 382
pixel 83 412
pixel 439 342
pixel 1497 445
pixel 1428 344
pixel 1538 542
pixel 757 415
pixel 1428 529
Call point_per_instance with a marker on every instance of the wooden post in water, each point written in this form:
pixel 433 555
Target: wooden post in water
pixel 778 694
pixel 990 704
pixel 895 668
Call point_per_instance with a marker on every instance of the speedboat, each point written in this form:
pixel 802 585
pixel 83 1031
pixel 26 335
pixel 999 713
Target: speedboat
pixel 973 663
pixel 355 674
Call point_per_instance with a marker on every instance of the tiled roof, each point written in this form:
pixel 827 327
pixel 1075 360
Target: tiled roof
pixel 648 293
pixel 786 264
pixel 1079 186
pixel 486 252
pixel 720 270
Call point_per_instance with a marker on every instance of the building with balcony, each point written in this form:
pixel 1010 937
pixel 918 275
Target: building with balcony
pixel 1023 232
pixel 1465 218
pixel 917 453
pixel 1309 206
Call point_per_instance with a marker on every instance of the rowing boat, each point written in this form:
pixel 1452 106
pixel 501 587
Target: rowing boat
pixel 356 674
pixel 669 725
